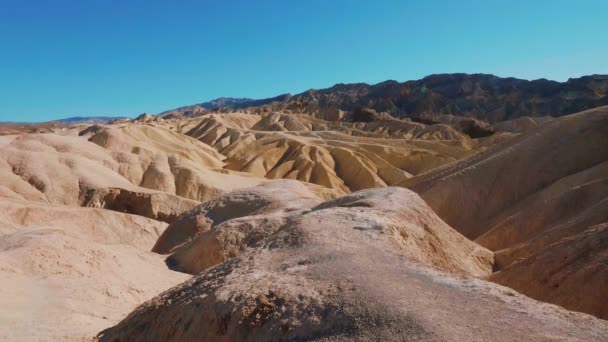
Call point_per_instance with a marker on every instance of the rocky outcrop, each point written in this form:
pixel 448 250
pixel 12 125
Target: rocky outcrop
pixel 271 197
pixel 155 205
pixel 204 236
pixel 357 267
pixel 366 115
pixel 474 128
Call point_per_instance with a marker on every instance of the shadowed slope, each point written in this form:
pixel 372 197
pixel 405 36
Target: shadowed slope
pixel 532 201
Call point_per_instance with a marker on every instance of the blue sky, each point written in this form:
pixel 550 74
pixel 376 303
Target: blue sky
pixel 121 58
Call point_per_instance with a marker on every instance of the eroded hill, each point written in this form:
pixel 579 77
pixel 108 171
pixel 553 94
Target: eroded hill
pixel 363 266
pixel 298 225
pixel 536 201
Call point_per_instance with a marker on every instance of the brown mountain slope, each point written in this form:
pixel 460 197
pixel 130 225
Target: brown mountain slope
pixel 571 272
pixel 482 96
pixel 471 193
pixel 531 200
pixel 521 124
pixel 354 268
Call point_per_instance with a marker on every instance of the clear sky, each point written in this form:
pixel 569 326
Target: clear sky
pixel 121 58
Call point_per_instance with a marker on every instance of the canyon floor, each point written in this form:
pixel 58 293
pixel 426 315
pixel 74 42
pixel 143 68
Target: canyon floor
pixel 278 225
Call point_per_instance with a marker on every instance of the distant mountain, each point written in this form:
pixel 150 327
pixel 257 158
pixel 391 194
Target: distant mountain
pixel 200 108
pixel 70 121
pixel 88 119
pixel 482 96
pixel 225 102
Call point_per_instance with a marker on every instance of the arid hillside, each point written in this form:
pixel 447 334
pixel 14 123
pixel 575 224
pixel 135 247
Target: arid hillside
pixel 68 272
pixel 540 202
pixel 309 225
pixel 364 266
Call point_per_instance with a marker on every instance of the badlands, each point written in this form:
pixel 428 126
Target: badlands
pixel 309 219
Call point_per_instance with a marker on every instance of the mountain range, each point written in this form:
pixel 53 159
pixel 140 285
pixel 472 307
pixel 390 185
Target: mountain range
pixel 482 96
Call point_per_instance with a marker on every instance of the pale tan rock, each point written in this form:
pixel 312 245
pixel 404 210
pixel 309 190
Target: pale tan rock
pixel 68 272
pixel 342 156
pixel 220 229
pixel 280 196
pixel 357 267
pixel 282 248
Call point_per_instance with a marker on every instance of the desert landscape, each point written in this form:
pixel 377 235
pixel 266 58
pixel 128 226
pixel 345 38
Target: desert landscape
pixel 459 207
